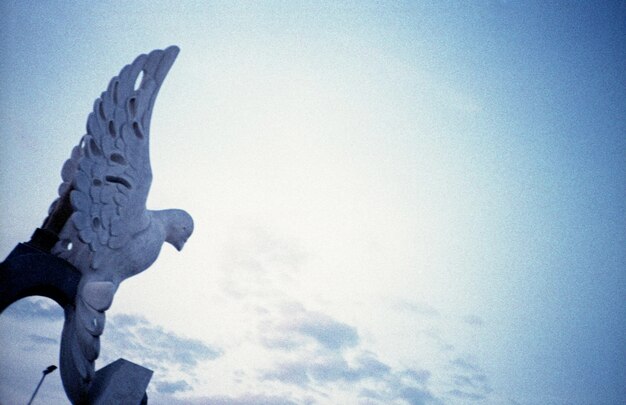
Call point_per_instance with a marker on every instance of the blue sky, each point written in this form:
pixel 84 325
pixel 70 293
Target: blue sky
pixel 394 202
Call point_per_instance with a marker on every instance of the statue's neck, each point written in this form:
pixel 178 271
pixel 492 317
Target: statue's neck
pixel 163 221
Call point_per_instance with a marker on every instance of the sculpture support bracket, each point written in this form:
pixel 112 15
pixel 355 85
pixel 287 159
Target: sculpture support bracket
pixel 31 270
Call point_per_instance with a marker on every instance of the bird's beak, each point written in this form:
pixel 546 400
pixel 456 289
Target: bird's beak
pixel 179 245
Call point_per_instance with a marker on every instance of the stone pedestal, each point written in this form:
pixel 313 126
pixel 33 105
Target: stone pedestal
pixel 121 382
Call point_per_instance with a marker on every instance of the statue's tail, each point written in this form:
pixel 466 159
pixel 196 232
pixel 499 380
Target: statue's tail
pixel 77 372
pixel 80 341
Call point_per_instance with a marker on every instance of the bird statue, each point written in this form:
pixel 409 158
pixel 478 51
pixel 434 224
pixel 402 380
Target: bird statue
pixel 104 228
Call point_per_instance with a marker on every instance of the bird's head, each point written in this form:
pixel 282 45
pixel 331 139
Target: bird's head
pixel 178 228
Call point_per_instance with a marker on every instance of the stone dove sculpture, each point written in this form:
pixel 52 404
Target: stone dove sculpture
pixel 109 235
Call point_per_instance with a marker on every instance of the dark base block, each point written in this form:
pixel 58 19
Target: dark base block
pixel 121 382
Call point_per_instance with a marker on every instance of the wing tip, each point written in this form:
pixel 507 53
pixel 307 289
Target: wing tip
pixel 172 51
pixel 166 61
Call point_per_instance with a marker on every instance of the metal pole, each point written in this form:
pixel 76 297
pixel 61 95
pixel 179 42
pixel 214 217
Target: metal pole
pixel 45 373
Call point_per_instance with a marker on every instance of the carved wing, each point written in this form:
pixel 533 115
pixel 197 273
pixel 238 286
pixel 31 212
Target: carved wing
pixel 108 175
